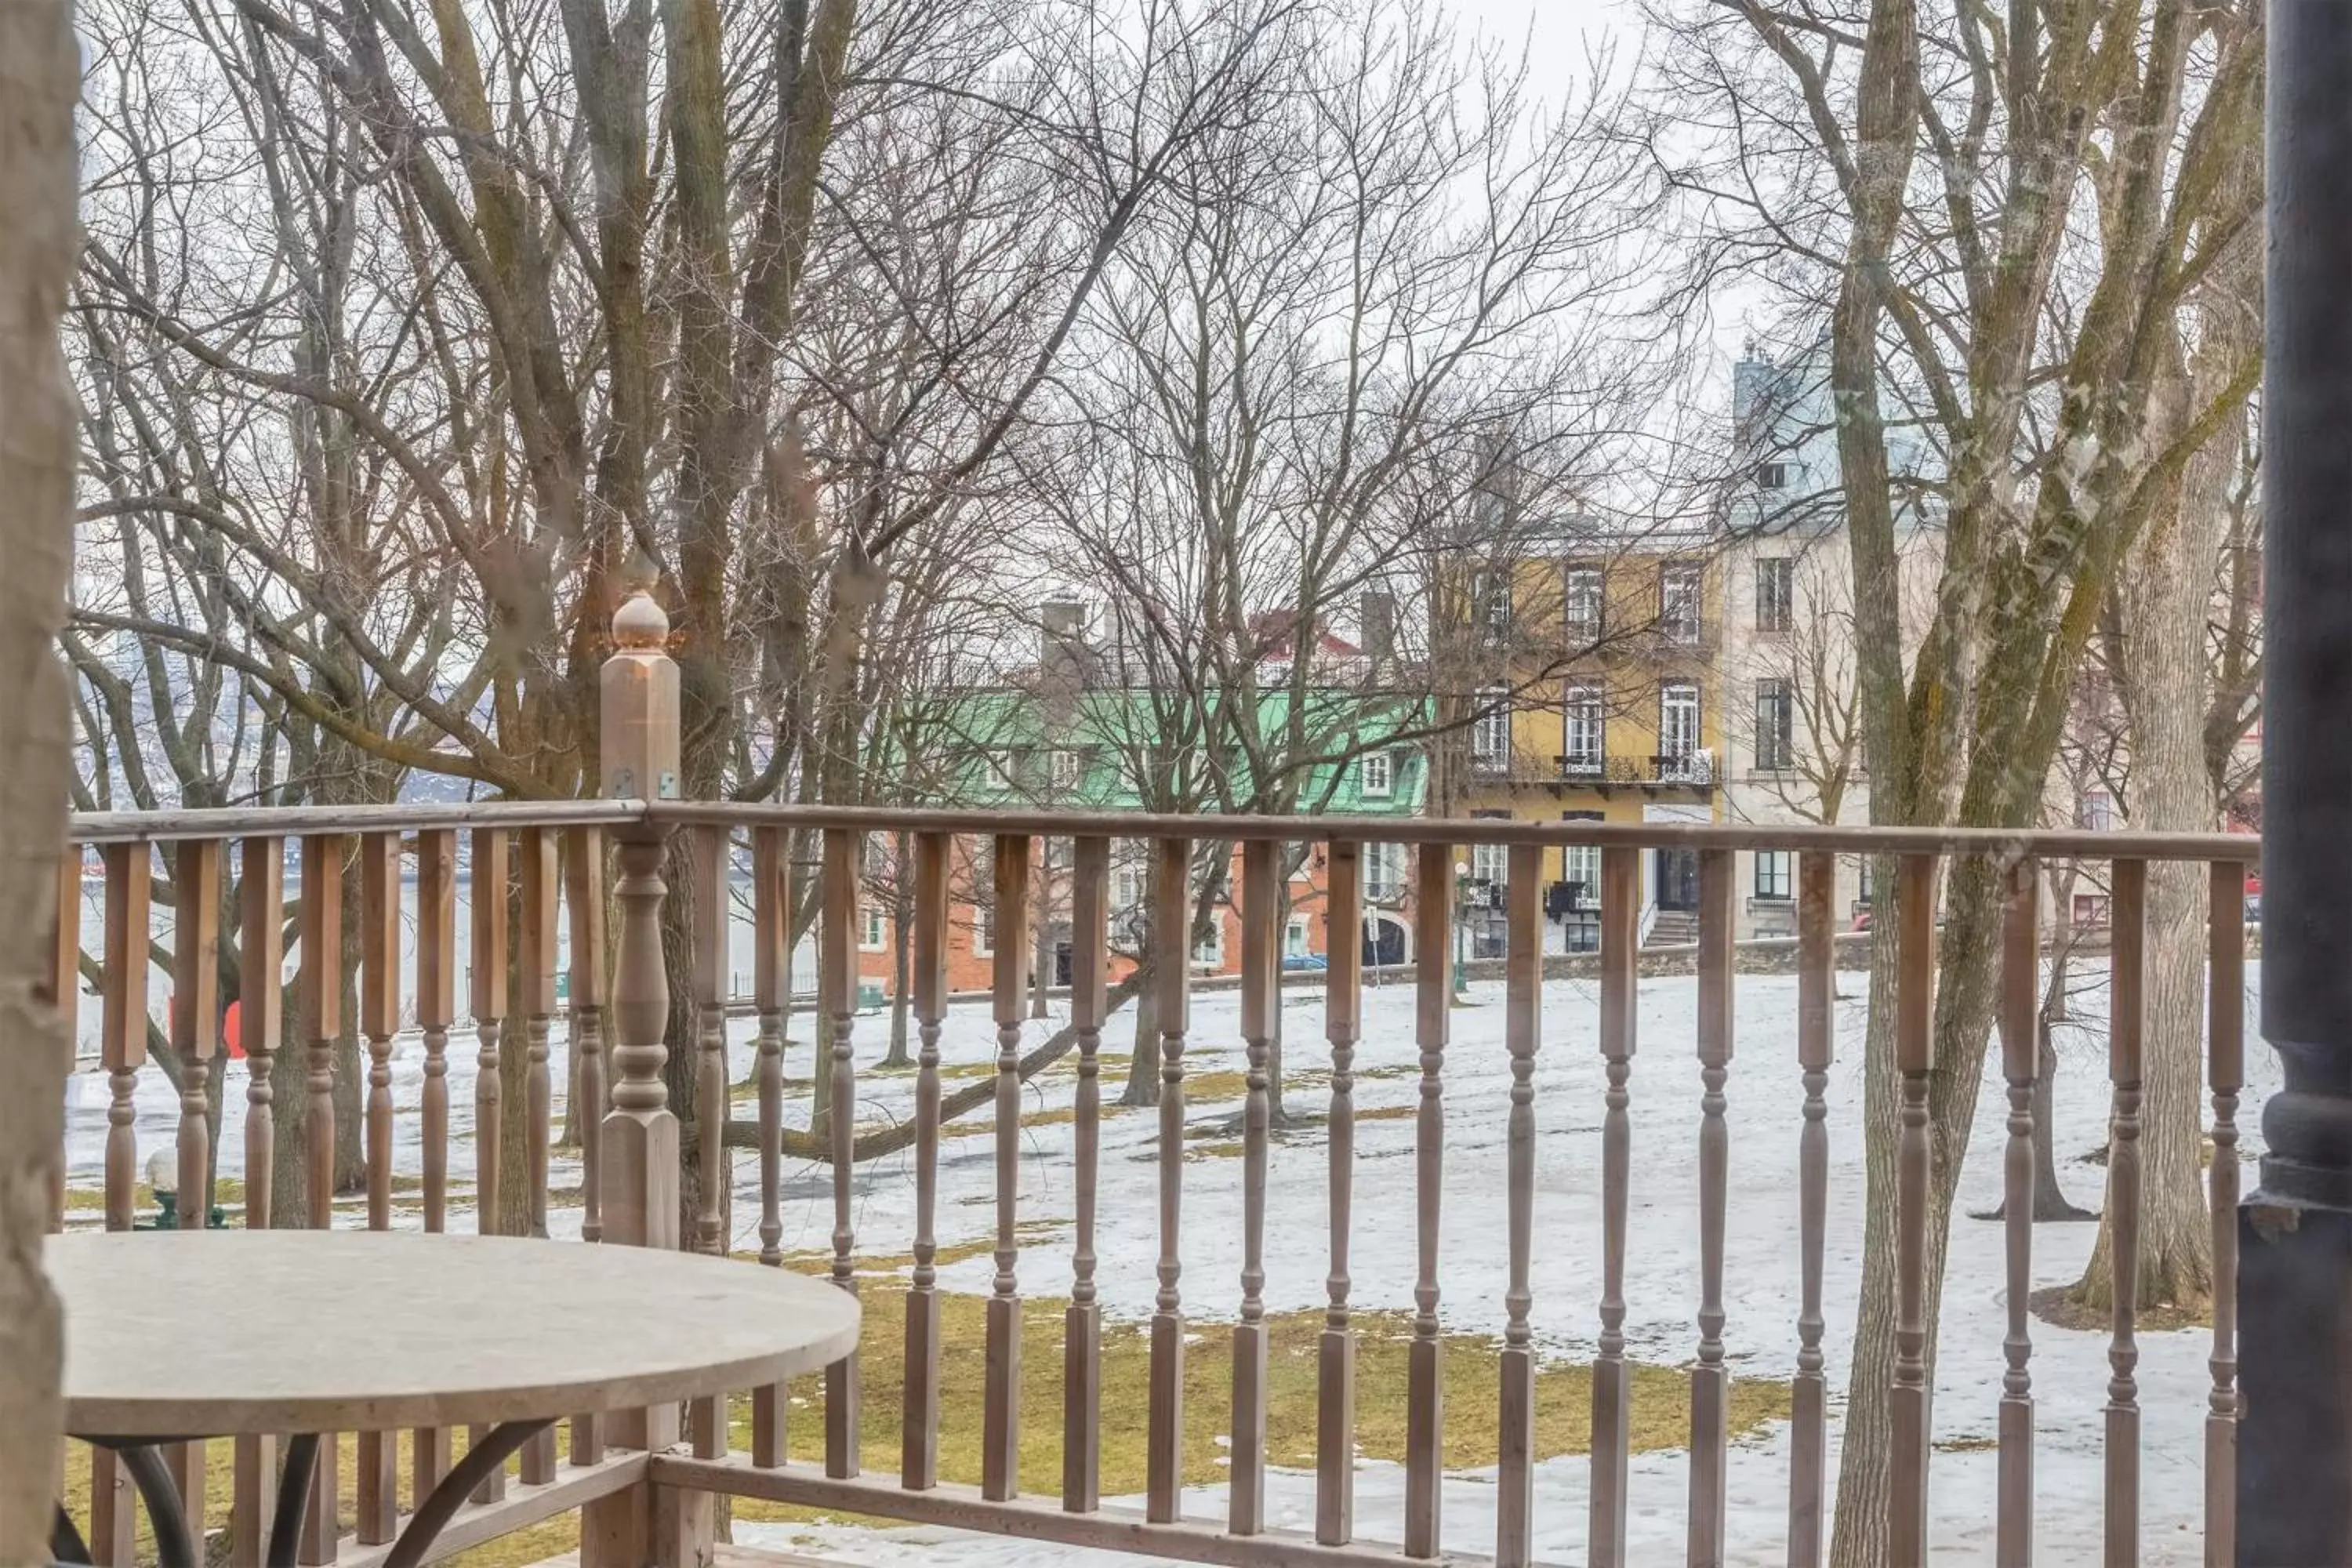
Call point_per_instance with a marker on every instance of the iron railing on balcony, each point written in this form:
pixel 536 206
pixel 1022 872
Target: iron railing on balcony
pixel 568 863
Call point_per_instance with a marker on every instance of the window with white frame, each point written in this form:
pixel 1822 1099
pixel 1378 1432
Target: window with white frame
pixel 1772 875
pixel 1209 946
pixel 1678 720
pixel 1376 771
pixel 1776 724
pixel 1678 603
pixel 1776 593
pixel 1490 731
pixel 1773 476
pixel 1490 864
pixel 1384 870
pixel 984 926
pixel 1584 604
pixel 2096 812
pixel 1490 603
pixel 1293 938
pixel 1582 733
pixel 873 938
pixel 1062 771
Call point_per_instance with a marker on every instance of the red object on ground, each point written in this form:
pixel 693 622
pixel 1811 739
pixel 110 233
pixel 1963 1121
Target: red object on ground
pixel 229 1040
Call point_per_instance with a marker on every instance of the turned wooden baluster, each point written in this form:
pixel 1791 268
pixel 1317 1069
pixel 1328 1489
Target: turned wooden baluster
pixel 122 1011
pixel 1082 1323
pixel 2129 903
pixel 1000 1425
pixel 122 1024
pixel 1261 910
pixel 1612 1388
pixel 771 975
pixel 1711 1379
pixel 491 871
pixel 543 885
pixel 436 1007
pixel 1809 1390
pixel 919 1445
pixel 771 984
pixel 1424 1431
pixel 583 853
pixel 261 1013
pixel 196 1017
pixel 437 1010
pixel 707 1416
pixel 838 950
pixel 541 878
pixel 1914 1058
pixel 2020 1049
pixel 583 911
pixel 1522 1030
pixel 195 1034
pixel 487 931
pixel 320 978
pixel 377 1453
pixel 710 935
pixel 2226 1027
pixel 1334 1368
pixel 63 989
pixel 1171 942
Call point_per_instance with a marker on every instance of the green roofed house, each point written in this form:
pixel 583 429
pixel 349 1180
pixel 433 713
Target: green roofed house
pixel 1066 742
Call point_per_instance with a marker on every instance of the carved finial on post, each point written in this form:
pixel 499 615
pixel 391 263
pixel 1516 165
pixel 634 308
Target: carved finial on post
pixel 639 698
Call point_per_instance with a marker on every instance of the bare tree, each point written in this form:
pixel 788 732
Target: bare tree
pixel 2137 109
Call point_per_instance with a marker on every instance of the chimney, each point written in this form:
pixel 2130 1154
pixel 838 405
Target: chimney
pixel 1376 612
pixel 1062 658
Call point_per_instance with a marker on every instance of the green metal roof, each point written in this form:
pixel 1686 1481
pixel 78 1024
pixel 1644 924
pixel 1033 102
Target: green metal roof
pixel 997 748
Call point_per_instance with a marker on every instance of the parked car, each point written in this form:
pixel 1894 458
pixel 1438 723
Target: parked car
pixel 1299 963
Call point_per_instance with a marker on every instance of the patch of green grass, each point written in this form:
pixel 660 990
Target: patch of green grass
pixel 1471 1371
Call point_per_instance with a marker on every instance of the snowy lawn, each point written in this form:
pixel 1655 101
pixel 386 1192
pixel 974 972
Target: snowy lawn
pixel 2070 1368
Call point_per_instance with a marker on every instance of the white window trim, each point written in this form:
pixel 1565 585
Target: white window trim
pixel 1298 938
pixel 1494 714
pixel 983 930
pixel 1586 698
pixel 1064 769
pixel 1386 787
pixel 873 930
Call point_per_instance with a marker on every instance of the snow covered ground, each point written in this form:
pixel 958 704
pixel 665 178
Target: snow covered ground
pixel 2070 1369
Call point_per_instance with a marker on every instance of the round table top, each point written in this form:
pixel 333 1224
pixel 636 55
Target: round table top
pixel 216 1333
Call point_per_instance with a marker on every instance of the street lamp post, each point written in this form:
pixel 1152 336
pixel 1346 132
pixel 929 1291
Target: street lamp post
pixel 1461 926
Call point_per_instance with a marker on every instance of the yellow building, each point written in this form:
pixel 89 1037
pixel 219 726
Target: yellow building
pixel 1581 677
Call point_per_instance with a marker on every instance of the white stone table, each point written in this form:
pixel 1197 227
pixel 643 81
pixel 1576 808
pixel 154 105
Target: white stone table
pixel 408 1331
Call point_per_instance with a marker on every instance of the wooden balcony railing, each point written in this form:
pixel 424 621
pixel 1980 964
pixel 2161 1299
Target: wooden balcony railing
pixel 569 863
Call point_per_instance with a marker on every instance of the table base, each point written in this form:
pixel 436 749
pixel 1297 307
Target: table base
pixel 175 1546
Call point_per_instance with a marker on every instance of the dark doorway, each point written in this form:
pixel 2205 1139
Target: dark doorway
pixel 1383 945
pixel 1678 879
pixel 1063 973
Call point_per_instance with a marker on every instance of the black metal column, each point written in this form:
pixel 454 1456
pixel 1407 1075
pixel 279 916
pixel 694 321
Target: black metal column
pixel 2294 1280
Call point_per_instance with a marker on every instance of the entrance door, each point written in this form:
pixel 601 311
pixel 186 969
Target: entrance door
pixel 1677 879
pixel 1383 943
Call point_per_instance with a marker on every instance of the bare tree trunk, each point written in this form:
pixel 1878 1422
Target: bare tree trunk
pixel 1040 945
pixel 2163 600
pixel 39 82
pixel 1143 1067
pixel 901 974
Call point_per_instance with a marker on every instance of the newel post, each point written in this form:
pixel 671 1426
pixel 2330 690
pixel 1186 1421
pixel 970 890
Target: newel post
pixel 642 1526
pixel 2294 1231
